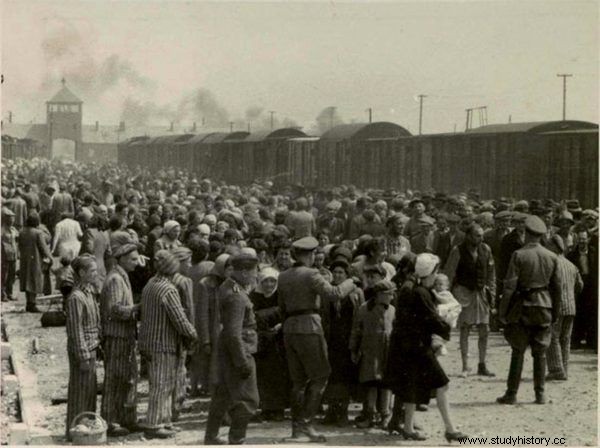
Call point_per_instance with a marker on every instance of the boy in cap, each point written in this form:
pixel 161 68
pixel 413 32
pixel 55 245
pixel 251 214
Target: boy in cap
pixel 236 391
pixel 529 306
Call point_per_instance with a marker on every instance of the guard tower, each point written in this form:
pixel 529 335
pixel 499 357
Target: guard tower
pixel 63 120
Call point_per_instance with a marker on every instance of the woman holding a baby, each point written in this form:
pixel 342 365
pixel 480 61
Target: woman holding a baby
pixel 413 371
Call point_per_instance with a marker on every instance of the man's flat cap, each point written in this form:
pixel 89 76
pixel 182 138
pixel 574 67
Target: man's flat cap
pixel 428 220
pixel 535 225
pixel 7 212
pixel 384 286
pixel 504 214
pixel 518 216
pixel 244 260
pixel 306 243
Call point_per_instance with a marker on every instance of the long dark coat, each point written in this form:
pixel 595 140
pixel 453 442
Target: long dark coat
pixel 413 371
pixel 33 249
pixel 271 364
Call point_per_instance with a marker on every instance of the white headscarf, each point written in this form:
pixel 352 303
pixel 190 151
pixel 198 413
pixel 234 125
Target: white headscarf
pixel 264 274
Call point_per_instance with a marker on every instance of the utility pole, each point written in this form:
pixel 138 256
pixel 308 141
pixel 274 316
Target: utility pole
pixel 510 118
pixel 421 112
pixel 564 76
pixel 231 126
pixel 370 111
pixel 468 116
pixel 272 112
pixel 248 127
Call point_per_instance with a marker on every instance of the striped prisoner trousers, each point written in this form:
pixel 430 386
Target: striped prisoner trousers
pixel 162 377
pixel 180 388
pixel 558 353
pixel 119 398
pixel 82 390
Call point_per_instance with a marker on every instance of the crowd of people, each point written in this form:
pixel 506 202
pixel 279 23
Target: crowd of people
pixel 268 297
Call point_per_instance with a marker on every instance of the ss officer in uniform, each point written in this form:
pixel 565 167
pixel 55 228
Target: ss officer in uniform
pixel 529 306
pixel 301 289
pixel 236 392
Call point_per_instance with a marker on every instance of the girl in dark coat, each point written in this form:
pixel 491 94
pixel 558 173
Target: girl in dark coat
pixel 413 371
pixel 337 323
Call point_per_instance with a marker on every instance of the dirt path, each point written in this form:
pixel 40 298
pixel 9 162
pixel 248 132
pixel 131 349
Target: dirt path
pixel 571 412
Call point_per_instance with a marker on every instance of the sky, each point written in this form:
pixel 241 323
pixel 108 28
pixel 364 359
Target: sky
pixel 150 63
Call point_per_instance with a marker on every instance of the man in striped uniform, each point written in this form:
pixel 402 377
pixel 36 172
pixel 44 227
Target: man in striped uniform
pixel 164 328
pixel 119 320
pixel 236 391
pixel 560 345
pixel 185 289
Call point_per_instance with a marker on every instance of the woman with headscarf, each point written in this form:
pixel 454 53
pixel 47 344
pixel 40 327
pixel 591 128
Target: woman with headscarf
pixel 271 365
pixel 208 325
pixel 169 239
pixel 337 324
pixel 413 371
pixel 83 339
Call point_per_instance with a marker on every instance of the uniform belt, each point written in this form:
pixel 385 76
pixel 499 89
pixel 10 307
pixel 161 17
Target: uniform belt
pixel 532 290
pixel 301 313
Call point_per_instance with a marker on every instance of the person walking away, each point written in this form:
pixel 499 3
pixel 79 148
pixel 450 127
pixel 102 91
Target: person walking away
pixel 471 272
pixel 529 306
pixel 560 345
pixel 413 371
pixel 67 236
pixel 163 326
pixel 119 321
pixel 84 331
pixel 34 255
pixel 301 289
pixel 236 392
pixel 10 253
pixel 369 345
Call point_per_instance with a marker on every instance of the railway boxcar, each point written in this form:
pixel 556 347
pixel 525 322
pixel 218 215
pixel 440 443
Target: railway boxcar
pixel 345 155
pixel 255 156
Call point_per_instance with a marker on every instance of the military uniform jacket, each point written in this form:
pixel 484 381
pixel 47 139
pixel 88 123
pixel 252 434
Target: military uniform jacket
pixel 299 289
pixel 239 338
pixel 534 280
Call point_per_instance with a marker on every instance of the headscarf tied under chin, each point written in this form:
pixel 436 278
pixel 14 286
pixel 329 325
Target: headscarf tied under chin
pixel 264 274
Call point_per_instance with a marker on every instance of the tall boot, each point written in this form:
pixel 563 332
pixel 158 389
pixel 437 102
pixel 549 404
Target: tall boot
pixel 211 436
pixel 514 378
pixel 237 430
pixel 539 378
pixel 312 401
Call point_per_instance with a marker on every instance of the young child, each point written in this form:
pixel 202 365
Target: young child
pixel 369 345
pixel 65 278
pixel 447 307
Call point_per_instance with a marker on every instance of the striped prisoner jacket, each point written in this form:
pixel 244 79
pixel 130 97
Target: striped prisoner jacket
pixel 163 319
pixel 84 329
pixel 116 305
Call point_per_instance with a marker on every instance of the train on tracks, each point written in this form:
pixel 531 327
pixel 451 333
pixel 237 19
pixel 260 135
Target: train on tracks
pixel 556 159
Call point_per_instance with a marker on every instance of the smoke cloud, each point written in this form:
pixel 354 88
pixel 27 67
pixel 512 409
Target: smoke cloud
pixel 327 118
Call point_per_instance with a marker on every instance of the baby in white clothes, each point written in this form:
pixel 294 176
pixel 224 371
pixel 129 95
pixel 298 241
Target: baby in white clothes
pixel 447 307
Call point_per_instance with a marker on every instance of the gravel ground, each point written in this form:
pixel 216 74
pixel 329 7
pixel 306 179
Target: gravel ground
pixel 571 411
